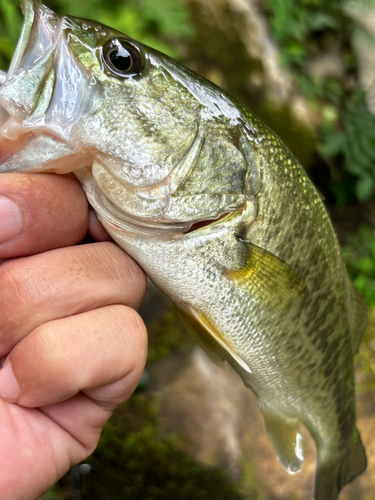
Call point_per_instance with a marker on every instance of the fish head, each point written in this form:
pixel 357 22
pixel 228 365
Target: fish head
pixel 85 86
pixel 81 96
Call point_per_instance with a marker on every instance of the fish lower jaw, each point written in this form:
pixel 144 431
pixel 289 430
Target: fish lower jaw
pixel 120 220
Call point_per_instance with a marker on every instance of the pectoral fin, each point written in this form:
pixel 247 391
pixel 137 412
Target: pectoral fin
pixel 214 344
pixel 268 278
pixel 285 438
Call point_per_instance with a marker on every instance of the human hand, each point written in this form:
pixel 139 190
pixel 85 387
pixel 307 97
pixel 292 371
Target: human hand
pixel 71 344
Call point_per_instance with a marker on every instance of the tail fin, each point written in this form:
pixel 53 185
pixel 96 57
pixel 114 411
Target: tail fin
pixel 333 476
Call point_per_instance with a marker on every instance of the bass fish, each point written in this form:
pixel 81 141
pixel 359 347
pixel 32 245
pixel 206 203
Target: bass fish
pixel 215 209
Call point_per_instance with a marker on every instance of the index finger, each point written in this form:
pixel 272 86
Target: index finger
pixel 40 212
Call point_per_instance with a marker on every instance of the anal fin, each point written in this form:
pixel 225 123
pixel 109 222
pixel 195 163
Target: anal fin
pixel 285 438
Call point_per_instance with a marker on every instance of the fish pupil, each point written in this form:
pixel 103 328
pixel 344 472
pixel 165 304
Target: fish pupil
pixel 121 59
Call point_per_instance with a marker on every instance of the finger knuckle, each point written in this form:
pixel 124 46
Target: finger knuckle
pixel 132 329
pixel 136 276
pixel 34 360
pixel 139 328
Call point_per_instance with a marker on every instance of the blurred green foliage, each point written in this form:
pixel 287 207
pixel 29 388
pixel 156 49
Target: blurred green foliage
pixel 359 256
pixel 10 27
pixel 354 143
pixel 294 21
pixel 305 30
pixel 164 24
pixel 136 461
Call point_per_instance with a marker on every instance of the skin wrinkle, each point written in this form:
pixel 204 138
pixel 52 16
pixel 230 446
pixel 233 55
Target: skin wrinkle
pixel 129 275
pixel 19 277
pixel 104 257
pixel 103 254
pixel 67 419
pixel 111 395
pixel 8 273
pixel 25 302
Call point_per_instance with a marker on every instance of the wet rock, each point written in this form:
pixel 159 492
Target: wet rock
pixel 253 31
pixel 234 48
pixel 245 20
pixel 328 65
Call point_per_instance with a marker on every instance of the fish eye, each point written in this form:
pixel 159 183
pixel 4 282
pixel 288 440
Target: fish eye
pixel 122 58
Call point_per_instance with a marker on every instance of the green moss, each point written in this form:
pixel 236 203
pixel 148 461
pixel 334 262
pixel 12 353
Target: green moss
pixel 167 335
pixel 352 139
pixel 53 494
pixel 249 485
pixel 134 460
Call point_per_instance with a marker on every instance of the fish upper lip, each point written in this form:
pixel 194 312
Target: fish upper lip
pixel 38 58
pixel 37 16
pixel 40 34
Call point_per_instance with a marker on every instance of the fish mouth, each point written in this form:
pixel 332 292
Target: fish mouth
pixel 45 87
pixel 42 96
pixel 29 84
pixel 206 222
pixel 120 220
pixel 40 32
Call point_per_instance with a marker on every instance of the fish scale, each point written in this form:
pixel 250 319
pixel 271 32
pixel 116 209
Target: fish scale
pixel 215 209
